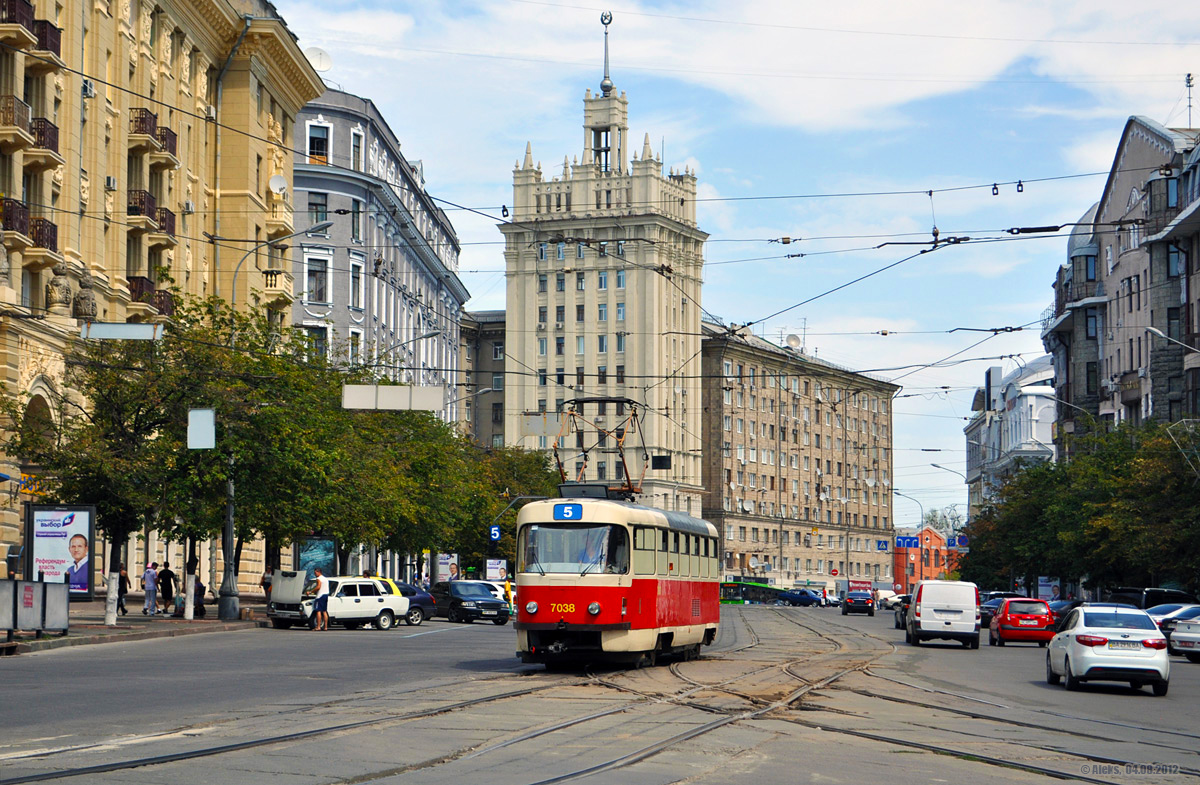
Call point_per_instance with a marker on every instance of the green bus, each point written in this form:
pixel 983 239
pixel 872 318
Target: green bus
pixel 748 593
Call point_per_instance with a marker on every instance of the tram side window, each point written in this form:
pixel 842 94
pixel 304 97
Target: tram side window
pixel 696 572
pixel 663 552
pixel 644 542
pixel 674 553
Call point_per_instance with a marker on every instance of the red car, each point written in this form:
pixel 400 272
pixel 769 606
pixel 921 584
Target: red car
pixel 1020 619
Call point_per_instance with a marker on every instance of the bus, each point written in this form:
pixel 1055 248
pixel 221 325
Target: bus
pixel 749 593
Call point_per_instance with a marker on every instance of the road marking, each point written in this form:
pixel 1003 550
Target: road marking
pixel 431 632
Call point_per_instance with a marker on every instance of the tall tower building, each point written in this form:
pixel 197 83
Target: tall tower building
pixel 604 270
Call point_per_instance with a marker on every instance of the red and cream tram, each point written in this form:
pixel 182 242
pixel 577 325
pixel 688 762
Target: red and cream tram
pixel 602 579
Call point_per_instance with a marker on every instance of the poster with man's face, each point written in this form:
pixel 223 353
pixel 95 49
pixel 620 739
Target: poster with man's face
pixel 61 540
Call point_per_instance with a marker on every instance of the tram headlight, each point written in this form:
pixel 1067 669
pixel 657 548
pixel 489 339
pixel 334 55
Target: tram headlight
pixel 594 609
pixel 531 607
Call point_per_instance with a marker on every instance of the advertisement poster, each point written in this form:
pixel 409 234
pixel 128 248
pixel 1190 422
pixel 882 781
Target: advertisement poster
pixel 1048 589
pixel 62 540
pixel 448 567
pixel 497 570
pixel 317 552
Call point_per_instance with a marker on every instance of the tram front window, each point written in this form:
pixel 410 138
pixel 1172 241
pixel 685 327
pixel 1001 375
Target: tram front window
pixel 574 548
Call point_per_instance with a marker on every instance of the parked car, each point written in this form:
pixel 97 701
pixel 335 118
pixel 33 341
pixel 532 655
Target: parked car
pixel 858 602
pixel 881 598
pixel 1021 620
pixel 420 603
pixel 1060 608
pixel 1109 643
pixel 890 603
pixel 1160 612
pixel 1170 622
pixel 466 601
pixel 988 596
pixel 1148 598
pixel 947 610
pixel 800 597
pixel 988 609
pixel 901 609
pixel 1185 639
pixel 355 601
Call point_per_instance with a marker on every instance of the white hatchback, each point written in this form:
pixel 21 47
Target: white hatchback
pixel 1108 643
pixel 1186 639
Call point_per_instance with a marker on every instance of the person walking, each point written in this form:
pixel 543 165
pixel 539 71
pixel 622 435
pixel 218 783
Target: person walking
pixel 122 590
pixel 265 582
pixel 321 603
pixel 150 585
pixel 166 587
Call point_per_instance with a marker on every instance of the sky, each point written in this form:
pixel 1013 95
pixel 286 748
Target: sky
pixel 827 123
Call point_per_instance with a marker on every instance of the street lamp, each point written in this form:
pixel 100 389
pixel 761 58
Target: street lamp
pixel 920 525
pixel 233 295
pixel 1161 334
pixel 947 469
pixel 430 334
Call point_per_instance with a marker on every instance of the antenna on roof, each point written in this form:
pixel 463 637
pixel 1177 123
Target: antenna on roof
pixel 1187 81
pixel 606 84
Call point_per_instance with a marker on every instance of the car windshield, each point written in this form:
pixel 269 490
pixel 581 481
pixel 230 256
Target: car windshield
pixel 460 589
pixel 1118 621
pixel 573 548
pixel 1163 610
pixel 1189 612
pixel 993 603
pixel 1028 606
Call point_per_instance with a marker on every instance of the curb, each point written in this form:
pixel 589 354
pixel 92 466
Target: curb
pixel 26 647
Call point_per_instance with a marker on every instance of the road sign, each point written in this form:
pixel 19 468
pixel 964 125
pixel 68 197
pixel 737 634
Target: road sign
pixel 908 542
pixel 881 546
pixel 494 533
pixel 963 541
pixel 833 571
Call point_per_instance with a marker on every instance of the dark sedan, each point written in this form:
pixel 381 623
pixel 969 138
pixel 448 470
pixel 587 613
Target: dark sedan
pixel 801 597
pixel 858 602
pixel 901 609
pixel 1060 608
pixel 466 601
pixel 420 603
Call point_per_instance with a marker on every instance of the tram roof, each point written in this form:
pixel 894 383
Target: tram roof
pixel 679 521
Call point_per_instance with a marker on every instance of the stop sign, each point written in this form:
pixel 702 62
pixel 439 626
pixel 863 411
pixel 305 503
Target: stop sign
pixel 833 571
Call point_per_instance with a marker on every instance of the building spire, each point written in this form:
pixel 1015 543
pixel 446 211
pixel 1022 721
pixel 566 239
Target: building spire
pixel 606 84
pixel 528 156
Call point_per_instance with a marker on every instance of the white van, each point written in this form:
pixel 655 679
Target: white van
pixel 948 610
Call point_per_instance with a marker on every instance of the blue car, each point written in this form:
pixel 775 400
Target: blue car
pixel 420 603
pixel 800 597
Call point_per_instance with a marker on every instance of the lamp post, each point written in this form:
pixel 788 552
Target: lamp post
pixel 947 469
pixel 430 334
pixel 920 525
pixel 233 294
pixel 1163 335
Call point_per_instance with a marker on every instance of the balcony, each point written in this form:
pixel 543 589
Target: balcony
pixel 165 156
pixel 46 56
pixel 143 130
pixel 279 217
pixel 14 221
pixel 44 152
pixel 164 236
pixel 143 211
pixel 43 253
pixel 278 288
pixel 16 132
pixel 16 24
pixel 148 301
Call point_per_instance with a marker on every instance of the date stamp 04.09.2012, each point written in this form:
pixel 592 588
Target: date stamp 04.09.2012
pixel 1145 769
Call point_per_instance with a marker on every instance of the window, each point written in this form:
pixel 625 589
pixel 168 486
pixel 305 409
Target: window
pixel 579 383
pixel 602 279
pixel 579 344
pixel 559 345
pixel 620 312
pixel 601 343
pixel 560 283
pixel 560 313
pixel 318 340
pixel 1173 323
pixel 579 313
pixel 561 251
pixel 318 207
pixel 498 412
pixel 356 151
pixel 356 222
pixel 579 282
pixel 621 377
pixel 602 374
pixel 542 314
pixel 542 377
pixel 602 313
pixel 620 279
pixel 356 285
pixel 498 350
pixel 541 252
pixel 317 275
pixel 1173 259
pixel 355 347
pixel 620 247
pixel 1092 318
pixel 579 247
pixel 620 342
pixel 542 344
pixel 541 284
pixel 318 144
pixel 498 381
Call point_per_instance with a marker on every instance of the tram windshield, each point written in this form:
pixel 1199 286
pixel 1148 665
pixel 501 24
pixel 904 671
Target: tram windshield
pixel 574 548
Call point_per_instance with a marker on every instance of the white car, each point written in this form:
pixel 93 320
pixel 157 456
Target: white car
pixel 1186 639
pixel 946 610
pixel 1108 643
pixel 355 601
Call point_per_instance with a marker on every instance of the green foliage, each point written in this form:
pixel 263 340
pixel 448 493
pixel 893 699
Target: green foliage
pixel 1123 511
pixel 116 436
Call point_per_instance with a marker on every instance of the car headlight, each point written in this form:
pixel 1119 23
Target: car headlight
pixel 594 609
pixel 531 607
pixel 468 604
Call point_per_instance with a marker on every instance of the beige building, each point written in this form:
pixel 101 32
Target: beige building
pixel 481 364
pixel 797 465
pixel 112 113
pixel 604 266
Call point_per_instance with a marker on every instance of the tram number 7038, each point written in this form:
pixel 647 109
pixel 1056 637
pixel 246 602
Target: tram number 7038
pixel 562 607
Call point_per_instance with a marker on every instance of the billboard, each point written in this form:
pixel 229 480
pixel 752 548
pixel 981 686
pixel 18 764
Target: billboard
pixel 61 540
pixel 314 552
pixel 1048 589
pixel 447 567
pixel 497 570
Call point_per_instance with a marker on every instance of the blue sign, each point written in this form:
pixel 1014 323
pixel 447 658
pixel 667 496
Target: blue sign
pixel 881 546
pixel 908 542
pixel 962 541
pixel 494 533
pixel 568 512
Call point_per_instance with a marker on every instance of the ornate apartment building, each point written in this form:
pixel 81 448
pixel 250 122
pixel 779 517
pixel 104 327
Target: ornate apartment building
pixel 380 285
pixel 797 465
pixel 604 265
pixel 112 113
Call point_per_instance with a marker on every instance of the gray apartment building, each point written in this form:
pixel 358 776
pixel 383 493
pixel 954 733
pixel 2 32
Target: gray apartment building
pixel 481 409
pixel 380 286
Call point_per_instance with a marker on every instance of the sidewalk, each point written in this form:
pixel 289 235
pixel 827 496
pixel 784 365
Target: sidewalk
pixel 87 625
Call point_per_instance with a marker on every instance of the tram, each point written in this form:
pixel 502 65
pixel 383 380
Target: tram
pixel 603 579
pixel 748 592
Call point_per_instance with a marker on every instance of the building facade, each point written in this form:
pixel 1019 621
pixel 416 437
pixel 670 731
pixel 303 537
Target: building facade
pixel 380 285
pixel 797 464
pixel 1125 276
pixel 604 266
pixel 931 560
pixel 481 409
pixel 1012 421
pixel 112 113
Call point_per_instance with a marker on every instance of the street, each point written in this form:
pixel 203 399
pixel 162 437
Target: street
pixel 785 695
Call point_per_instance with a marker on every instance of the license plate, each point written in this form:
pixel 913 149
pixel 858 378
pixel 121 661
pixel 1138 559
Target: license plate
pixel 1124 645
pixel 489 613
pixel 1185 644
pixel 1028 622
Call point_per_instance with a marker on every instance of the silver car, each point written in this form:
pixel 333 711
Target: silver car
pixel 1108 643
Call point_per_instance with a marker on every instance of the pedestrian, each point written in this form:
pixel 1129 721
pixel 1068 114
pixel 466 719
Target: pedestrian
pixel 321 603
pixel 166 587
pixel 198 600
pixel 267 576
pixel 122 590
pixel 150 586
